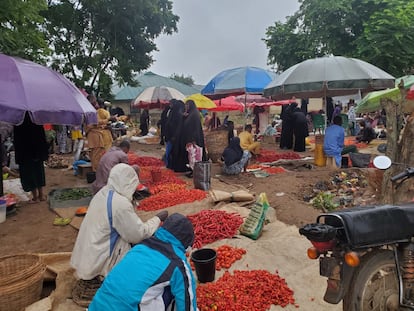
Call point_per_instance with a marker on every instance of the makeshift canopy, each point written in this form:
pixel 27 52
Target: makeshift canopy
pixel 228 104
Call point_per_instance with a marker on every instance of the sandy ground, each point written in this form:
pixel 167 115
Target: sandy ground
pixel 280 247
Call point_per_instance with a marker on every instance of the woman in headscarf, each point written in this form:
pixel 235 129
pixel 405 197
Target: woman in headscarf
pixel 235 158
pixel 286 136
pixel 300 129
pixel 31 149
pixel 192 131
pixel 173 153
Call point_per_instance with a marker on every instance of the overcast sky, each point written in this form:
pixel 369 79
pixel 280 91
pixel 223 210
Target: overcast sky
pixel 214 35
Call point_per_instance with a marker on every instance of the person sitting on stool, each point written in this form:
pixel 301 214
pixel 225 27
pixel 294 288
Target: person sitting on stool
pixel 333 144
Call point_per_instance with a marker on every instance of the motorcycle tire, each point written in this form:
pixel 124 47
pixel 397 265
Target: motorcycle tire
pixel 374 285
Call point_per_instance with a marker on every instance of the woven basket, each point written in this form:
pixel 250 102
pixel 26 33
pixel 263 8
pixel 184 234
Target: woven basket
pixel 21 281
pixel 216 141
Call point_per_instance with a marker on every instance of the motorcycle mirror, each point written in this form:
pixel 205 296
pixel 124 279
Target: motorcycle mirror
pixel 382 162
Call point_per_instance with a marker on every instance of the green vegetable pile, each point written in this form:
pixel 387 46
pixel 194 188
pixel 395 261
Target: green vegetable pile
pixel 324 201
pixel 73 194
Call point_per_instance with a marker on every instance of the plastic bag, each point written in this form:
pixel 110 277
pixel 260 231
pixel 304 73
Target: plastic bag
pixel 195 154
pixel 202 175
pixel 253 225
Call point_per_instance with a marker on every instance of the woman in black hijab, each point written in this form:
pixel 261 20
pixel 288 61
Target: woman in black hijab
pixel 235 158
pixel 31 149
pixel 172 133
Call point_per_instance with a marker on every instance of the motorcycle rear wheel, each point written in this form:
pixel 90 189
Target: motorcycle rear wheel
pixel 374 285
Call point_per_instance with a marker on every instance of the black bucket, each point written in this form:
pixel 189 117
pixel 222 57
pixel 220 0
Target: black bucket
pixel 90 177
pixel 204 260
pixel 345 162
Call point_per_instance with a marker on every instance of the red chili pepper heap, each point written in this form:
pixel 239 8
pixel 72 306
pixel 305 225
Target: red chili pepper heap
pixel 214 225
pixel 245 290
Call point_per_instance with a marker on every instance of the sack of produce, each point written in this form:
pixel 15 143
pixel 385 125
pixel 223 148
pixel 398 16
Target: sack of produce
pixel 253 225
pixel 202 175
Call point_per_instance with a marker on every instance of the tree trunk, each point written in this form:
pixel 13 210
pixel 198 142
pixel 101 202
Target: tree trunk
pixel 400 147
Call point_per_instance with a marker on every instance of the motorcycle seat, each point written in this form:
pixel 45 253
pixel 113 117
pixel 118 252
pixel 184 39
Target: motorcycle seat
pixel 365 226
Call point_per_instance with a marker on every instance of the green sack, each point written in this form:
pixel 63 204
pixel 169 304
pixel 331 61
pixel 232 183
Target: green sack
pixel 253 225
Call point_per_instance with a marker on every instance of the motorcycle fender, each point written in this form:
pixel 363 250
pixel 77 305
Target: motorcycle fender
pixel 339 277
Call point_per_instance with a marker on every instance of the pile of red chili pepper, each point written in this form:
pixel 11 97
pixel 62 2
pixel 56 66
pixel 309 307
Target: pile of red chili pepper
pixel 170 198
pixel 214 225
pixel 245 290
pixel 274 170
pixel 167 176
pixel 271 156
pixel 134 159
pixel 226 256
pixel 171 187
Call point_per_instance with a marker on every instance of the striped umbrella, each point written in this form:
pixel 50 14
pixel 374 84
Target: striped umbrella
pixel 156 97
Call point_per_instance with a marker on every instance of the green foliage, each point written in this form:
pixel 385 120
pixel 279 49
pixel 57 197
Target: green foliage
pixel 388 38
pixel 21 29
pixel 188 80
pixel 97 40
pixel 324 201
pixel 378 31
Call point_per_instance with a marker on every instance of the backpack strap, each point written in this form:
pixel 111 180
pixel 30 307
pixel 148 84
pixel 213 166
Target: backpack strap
pixel 114 234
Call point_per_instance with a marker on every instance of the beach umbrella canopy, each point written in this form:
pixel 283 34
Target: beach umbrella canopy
pixel 201 101
pixel 372 101
pixel 328 76
pixel 228 103
pixel 157 97
pixel 46 95
pixel 236 81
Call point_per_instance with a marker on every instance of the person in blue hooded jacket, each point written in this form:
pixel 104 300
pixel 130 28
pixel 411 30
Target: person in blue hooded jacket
pixel 154 275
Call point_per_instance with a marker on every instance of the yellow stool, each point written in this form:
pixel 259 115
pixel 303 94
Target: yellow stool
pixel 330 162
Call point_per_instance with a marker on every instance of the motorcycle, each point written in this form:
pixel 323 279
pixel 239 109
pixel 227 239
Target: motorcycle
pixel 367 253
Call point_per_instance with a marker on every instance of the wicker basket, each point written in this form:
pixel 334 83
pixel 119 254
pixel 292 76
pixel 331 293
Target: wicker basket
pixel 216 141
pixel 21 281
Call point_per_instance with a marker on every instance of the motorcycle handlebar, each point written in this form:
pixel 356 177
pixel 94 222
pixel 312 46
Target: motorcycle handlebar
pixel 409 172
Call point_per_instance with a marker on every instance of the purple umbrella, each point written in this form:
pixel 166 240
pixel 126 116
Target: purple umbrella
pixel 47 95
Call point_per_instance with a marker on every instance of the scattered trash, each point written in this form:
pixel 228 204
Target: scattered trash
pixel 280 194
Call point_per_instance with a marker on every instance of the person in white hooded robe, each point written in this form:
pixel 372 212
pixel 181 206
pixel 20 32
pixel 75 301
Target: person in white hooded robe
pixel 111 226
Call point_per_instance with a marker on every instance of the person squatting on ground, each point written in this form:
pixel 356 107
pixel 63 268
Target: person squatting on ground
pixel 154 275
pixel 235 158
pixel 111 226
pixel 333 144
pixel 113 156
pixel 247 142
pixel 366 134
pixel 31 150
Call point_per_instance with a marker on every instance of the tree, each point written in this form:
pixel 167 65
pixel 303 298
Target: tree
pixel 388 38
pixel 378 31
pixel 188 80
pixel 97 40
pixel 21 29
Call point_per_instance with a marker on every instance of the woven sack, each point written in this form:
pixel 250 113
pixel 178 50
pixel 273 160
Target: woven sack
pixel 253 225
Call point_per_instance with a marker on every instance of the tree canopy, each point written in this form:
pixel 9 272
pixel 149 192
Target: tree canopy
pixel 188 80
pixel 94 41
pixel 21 29
pixel 378 31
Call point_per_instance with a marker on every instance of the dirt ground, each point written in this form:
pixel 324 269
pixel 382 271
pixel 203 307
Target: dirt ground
pixel 31 228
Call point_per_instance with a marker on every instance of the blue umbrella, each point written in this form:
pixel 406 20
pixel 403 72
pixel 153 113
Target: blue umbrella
pixel 236 81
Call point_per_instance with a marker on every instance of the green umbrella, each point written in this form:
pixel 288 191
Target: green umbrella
pixel 372 101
